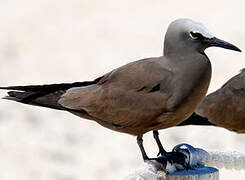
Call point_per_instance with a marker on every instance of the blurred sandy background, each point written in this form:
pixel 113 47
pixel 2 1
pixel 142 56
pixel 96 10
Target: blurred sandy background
pixel 47 41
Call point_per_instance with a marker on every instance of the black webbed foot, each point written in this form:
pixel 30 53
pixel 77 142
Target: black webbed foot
pixel 169 162
pixel 186 157
pixel 182 157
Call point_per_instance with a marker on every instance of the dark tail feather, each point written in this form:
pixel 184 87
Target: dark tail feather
pixel 43 95
pixel 196 119
pixel 17 95
pixel 49 100
pixel 51 87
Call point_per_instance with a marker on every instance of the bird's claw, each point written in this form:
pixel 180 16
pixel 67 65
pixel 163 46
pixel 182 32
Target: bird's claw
pixel 169 162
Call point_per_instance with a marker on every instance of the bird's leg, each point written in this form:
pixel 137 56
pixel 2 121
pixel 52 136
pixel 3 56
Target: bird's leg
pixel 159 144
pixel 160 162
pixel 140 143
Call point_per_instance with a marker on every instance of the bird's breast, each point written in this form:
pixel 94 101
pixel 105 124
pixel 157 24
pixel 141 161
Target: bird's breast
pixel 190 89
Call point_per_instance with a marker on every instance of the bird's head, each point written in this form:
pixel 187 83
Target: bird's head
pixel 185 35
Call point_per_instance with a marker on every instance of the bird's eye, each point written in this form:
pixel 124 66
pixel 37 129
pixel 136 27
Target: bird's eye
pixel 196 36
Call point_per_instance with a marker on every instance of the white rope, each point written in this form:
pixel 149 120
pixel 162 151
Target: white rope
pixel 227 160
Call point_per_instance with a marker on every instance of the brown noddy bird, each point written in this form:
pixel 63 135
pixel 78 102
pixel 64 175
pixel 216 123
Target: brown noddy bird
pixel 223 108
pixel 142 96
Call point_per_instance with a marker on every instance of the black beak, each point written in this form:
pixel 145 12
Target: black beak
pixel 220 43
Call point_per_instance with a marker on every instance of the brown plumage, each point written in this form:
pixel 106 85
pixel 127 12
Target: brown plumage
pixel 226 106
pixel 148 94
pixel 118 101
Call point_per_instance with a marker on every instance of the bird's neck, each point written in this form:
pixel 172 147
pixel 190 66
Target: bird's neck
pixel 180 48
